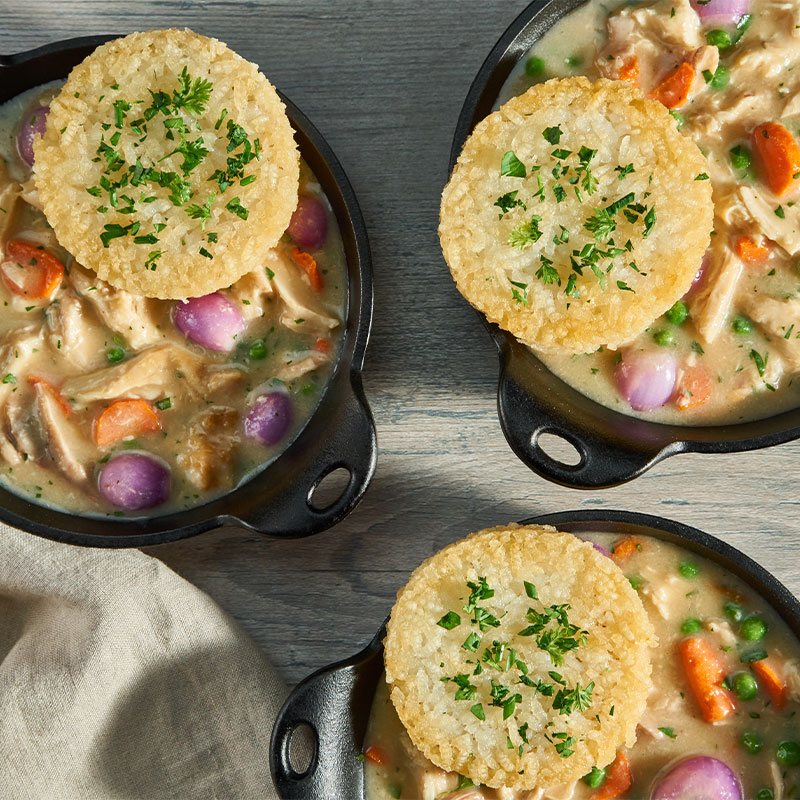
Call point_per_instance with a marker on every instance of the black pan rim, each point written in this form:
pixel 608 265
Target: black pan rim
pixel 343 395
pixel 649 442
pixel 361 671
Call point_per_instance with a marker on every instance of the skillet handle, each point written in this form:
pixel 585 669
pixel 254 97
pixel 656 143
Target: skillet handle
pixel 335 703
pixel 347 441
pixel 611 448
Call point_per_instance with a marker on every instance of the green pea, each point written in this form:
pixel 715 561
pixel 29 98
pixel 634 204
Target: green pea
pixel 733 611
pixel 595 779
pixel 692 625
pixel 258 350
pixel 720 79
pixel 742 325
pixel 753 629
pixel 740 157
pixel 664 337
pixel 744 686
pixel 688 569
pixel 719 38
pixel 765 794
pixel 573 61
pixel 115 355
pixel 752 742
pixel 678 313
pixel 788 753
pixel 534 66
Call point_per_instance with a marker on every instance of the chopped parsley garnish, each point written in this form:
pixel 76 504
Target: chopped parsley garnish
pixel 163 404
pixel 192 96
pixel 526 234
pixel 449 621
pixel 702 177
pixel 203 213
pixel 547 273
pixel 235 207
pixel 510 165
pixel 624 171
pixel 760 362
pixel 669 732
pixel 520 293
pixel 566 701
pixel 509 201
pixel 9 378
pixel 553 135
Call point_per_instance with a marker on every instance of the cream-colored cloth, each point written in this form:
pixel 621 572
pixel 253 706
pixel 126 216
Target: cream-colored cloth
pixel 118 679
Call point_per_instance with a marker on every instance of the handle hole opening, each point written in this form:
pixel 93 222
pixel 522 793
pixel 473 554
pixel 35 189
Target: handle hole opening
pixel 558 449
pixel 301 749
pixel 330 488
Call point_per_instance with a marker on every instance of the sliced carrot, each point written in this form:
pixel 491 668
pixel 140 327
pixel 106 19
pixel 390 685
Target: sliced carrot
pixel 625 548
pixel 773 683
pixel 629 71
pixel 31 271
pixel 777 157
pixel 322 345
pixel 52 390
pixel 694 387
pixel 705 674
pixel 674 90
pixel 376 755
pixel 124 419
pixel 308 264
pixel 750 252
pixel 619 779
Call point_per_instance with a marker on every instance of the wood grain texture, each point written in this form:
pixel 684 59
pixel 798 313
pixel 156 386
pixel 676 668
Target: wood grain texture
pixel 384 82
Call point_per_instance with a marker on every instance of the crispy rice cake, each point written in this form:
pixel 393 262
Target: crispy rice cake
pixel 574 216
pixel 168 165
pixel 572 621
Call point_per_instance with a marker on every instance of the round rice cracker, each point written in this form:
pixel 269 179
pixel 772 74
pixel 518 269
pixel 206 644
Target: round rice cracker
pixel 616 657
pixel 66 165
pixel 500 280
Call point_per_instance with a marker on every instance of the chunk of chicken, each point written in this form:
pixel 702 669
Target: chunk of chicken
pixel 132 317
pixel 9 200
pixel 298 297
pixel 786 231
pixel 29 193
pixel 778 784
pixel 433 782
pixel 712 305
pixel 16 351
pixel 18 428
pixel 253 293
pixel 780 319
pixel 722 631
pixel 296 369
pixel 791 672
pixel 72 333
pixel 162 370
pixel 68 449
pixel 207 458
pixel 464 794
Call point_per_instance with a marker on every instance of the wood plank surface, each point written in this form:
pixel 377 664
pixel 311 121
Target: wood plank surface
pixel 384 82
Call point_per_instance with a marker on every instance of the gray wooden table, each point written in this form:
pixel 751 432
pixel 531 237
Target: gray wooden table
pixel 384 81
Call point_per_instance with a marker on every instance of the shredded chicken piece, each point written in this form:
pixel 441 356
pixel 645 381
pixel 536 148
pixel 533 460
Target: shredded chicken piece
pixel 791 672
pixel 291 372
pixel 792 106
pixel 433 782
pixel 777 780
pixel 18 429
pixel 71 331
pixel 29 193
pixel 162 370
pixel 67 448
pixel 464 794
pixel 207 457
pixel 298 297
pixel 253 293
pixel 786 231
pixel 704 59
pixel 712 305
pixel 9 198
pixel 780 319
pixel 661 592
pixel 131 316
pixel 722 630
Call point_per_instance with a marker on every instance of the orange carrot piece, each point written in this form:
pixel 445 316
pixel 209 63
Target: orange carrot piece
pixel 750 252
pixel 619 779
pixel 322 345
pixel 629 71
pixel 694 387
pixel 674 90
pixel 124 419
pixel 52 390
pixel 777 157
pixel 33 272
pixel 308 264
pixel 773 683
pixel 625 548
pixel 705 674
pixel 376 755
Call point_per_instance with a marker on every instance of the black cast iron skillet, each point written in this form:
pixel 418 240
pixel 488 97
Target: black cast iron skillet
pixel 612 448
pixel 336 701
pixel 341 433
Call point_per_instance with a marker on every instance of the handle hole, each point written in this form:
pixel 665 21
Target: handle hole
pixel 301 749
pixel 557 448
pixel 330 489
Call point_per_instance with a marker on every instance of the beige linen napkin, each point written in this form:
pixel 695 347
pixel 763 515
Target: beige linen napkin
pixel 118 679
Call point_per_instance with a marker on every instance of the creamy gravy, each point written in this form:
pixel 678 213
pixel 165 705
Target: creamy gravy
pixel 740 339
pixel 681 592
